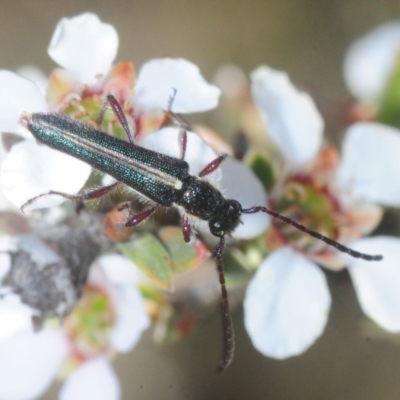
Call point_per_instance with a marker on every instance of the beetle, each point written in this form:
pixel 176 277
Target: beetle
pixel 162 179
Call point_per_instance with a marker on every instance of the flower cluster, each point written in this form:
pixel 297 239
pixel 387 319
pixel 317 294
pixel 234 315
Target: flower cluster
pixel 88 305
pixel 110 315
pixel 111 312
pixel 287 302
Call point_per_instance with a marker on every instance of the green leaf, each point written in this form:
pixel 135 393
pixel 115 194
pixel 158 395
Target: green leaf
pixel 149 254
pixel 389 104
pixel 262 167
pixel 185 256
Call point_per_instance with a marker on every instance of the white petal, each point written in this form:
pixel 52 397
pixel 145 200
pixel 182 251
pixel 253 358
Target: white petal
pixel 377 283
pixel 370 60
pixel 84 45
pixel 29 363
pixel 18 94
pixel 240 183
pixel 5 204
pixel 132 319
pixel 14 316
pixel 231 80
pixel 30 170
pixel 120 270
pixel 198 152
pixel 5 259
pixel 107 180
pixel 286 304
pixel 291 116
pixel 95 379
pixel 35 75
pixel 157 79
pixel 370 164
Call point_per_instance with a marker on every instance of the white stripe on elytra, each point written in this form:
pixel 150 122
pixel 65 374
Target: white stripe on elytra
pixel 145 170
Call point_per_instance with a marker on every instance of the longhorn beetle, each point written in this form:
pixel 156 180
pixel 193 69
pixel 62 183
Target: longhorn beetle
pixel 162 179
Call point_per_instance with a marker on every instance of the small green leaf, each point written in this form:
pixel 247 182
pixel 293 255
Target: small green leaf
pixel 389 104
pixel 262 167
pixel 185 256
pixel 148 253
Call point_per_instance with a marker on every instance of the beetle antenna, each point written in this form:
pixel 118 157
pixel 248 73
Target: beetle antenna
pixel 314 234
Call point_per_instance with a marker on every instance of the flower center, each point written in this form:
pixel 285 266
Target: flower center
pixel 312 205
pixel 87 110
pixel 90 324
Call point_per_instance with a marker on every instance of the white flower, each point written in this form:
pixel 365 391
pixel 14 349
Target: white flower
pixel 377 284
pixel 157 78
pixel 370 60
pixel 93 380
pixel 287 302
pixel 86 48
pixel 287 111
pixel 30 361
pixel 370 163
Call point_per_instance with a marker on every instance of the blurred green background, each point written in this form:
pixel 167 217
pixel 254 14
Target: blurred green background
pixel 307 38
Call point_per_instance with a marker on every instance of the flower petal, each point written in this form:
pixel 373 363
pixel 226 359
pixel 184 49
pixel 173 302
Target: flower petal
pixel 30 170
pixel 17 95
pixel 286 305
pixel 365 217
pixel 63 85
pixel 291 116
pixel 120 270
pixel 5 258
pixel 240 183
pixel 132 319
pixel 14 316
pixel 35 75
pixel 29 363
pixel 157 79
pixel 95 379
pixel 370 165
pixel 370 60
pixel 377 283
pixel 198 152
pixel 84 45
